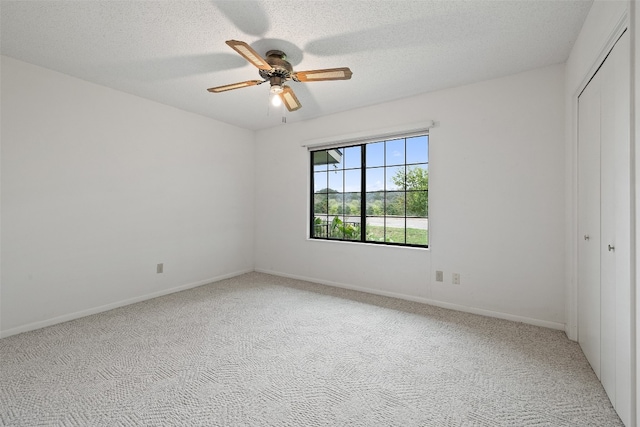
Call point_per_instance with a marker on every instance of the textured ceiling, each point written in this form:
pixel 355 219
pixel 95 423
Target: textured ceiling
pixel 172 51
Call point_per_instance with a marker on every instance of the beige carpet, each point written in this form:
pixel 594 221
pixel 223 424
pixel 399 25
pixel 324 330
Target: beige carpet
pixel 258 350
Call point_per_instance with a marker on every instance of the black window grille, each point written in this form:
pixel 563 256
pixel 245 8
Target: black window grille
pixel 376 192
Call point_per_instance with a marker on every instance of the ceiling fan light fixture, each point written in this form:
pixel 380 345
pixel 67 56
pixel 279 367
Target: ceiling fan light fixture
pixel 276 89
pixel 276 101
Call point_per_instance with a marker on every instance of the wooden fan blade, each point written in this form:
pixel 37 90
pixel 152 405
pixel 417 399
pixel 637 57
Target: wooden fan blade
pixel 289 99
pixel 249 54
pixel 224 88
pixel 327 74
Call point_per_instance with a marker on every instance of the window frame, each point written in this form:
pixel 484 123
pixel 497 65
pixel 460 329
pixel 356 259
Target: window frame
pixel 363 143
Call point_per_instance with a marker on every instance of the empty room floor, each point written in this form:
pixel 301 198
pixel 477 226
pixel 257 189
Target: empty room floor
pixel 260 350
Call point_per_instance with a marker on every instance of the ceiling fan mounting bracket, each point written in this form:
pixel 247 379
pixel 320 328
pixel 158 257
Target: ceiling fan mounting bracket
pixel 277 53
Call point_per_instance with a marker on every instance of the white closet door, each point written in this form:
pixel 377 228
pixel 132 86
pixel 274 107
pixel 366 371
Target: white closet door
pixel 589 223
pixel 604 215
pixel 608 226
pixel 616 227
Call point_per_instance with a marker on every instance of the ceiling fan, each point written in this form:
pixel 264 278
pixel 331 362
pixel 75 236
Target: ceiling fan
pixel 276 70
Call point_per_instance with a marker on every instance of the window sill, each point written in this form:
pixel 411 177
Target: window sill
pixel 369 244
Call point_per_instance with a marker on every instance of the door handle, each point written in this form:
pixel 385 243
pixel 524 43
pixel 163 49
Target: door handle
pixel 611 248
pixel 586 237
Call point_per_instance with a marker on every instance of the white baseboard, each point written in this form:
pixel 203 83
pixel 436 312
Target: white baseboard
pixel 106 307
pixel 82 313
pixel 457 307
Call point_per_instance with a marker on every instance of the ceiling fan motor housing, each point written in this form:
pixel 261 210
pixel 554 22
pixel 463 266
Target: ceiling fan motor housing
pixel 281 68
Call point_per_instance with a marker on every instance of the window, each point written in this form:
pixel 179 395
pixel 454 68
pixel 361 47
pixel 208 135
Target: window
pixel 373 192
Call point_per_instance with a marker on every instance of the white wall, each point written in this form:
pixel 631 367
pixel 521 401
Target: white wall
pixel 99 186
pixel 496 201
pixel 635 131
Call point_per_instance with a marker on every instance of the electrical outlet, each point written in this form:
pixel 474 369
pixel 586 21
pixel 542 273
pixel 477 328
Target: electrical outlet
pixel 160 268
pixel 439 276
pixel 455 279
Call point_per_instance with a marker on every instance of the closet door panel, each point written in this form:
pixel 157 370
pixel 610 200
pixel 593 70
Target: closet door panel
pixel 616 107
pixel 589 223
pixel 607 231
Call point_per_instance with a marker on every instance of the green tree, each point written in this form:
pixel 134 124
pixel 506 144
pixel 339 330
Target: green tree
pixel 416 183
pixel 320 202
pixel 394 203
pixel 375 208
pixel 354 207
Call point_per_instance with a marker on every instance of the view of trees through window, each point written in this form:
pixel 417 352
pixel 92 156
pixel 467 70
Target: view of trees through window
pixel 375 192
